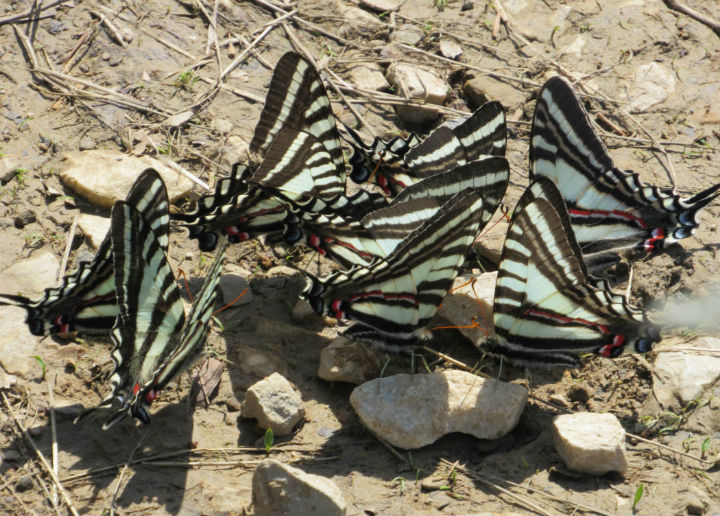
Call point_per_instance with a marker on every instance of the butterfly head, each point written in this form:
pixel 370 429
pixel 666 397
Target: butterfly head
pixel 313 292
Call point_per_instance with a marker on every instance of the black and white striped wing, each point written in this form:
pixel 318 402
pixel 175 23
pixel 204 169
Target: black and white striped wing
pixel 392 300
pixel 547 310
pixel 85 301
pixel 236 209
pixel 152 339
pixel 612 211
pixel 383 156
pixel 297 100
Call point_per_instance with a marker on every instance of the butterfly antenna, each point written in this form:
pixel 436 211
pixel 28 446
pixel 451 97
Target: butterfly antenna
pixel 377 167
pixel 185 280
pixel 230 303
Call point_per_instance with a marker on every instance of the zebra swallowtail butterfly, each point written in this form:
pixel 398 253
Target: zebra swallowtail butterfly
pixel 612 211
pixel 548 310
pixel 392 300
pixel 85 301
pixel 397 166
pixel 154 341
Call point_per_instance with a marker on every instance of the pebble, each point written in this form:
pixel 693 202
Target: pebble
pixel 348 361
pixel 653 83
pixel 115 59
pixel 382 6
pixel 222 125
pixel 681 377
pixel 407 34
pixel 24 484
pixel 418 84
pixel 94 227
pixel 590 443
pixel 235 150
pixel 8 165
pixel 580 391
pixel 275 403
pixel 103 177
pixel 482 89
pixel 358 22
pixel 467 302
pixel 367 76
pixel 24 218
pixel 467 6
pixel 231 286
pixel 84 68
pixel 280 489
pixel 411 411
pixel 86 143
pixel 450 48
pixel 105 56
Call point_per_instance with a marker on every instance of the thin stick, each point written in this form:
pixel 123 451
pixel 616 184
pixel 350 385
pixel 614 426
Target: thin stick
pixel 29 12
pixel 53 433
pixel 68 247
pixel 192 177
pixel 705 20
pixel 124 469
pixel 110 27
pixel 43 461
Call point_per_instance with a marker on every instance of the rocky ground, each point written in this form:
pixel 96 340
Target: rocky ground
pixel 137 79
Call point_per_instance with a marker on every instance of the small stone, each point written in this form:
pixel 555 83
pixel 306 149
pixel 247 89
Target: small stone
pixel 127 34
pixel 482 89
pixel 281 270
pixel 681 377
pixel 471 300
pixel 24 484
pixel 84 68
pixel 231 286
pixel 7 380
pixel 274 403
pixel 358 22
pixel 115 59
pixel 222 125
pixel 590 443
pixel 450 48
pixel 8 165
pixel 652 84
pixel 417 84
pixel 24 218
pixel 344 360
pixel 467 6
pixel 367 76
pixel 105 56
pixel 279 489
pixel 411 411
pixel 407 34
pixel 235 150
pixel 233 404
pixel 179 119
pixel 695 508
pixel 559 400
pixel 381 6
pixel 11 455
pixel 103 177
pixel 86 143
pixel 580 391
pixel 94 227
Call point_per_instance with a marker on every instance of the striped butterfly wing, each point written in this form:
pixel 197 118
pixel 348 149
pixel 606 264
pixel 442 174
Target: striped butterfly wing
pixel 484 133
pixel 297 100
pixel 392 300
pixel 547 309
pixel 85 301
pixel 153 340
pixel 611 210
pixel 236 209
pixel 384 157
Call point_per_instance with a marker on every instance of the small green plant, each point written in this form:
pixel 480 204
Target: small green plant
pixel 20 176
pixel 441 4
pixel 186 80
pixel 400 482
pixel 638 495
pixel 269 438
pixel 43 367
pixel 34 239
pixel 704 447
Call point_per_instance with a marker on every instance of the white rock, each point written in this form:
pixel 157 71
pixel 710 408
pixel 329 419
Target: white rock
pixel 450 48
pixel 222 125
pixel 32 275
pixel 274 403
pixel 234 151
pixel 681 377
pixel 575 48
pixel 8 165
pixel 94 227
pixel 18 345
pixel 383 6
pixel 469 302
pixel 103 177
pixel 417 84
pixel 346 361
pixel 407 34
pixel 653 83
pixel 368 76
pixel 231 286
pixel 590 443
pixel 358 22
pixel 411 411
pixel 279 489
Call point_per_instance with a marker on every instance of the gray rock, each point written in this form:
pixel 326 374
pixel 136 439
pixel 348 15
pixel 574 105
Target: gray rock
pixel 31 275
pixel 681 377
pixel 450 48
pixel 468 302
pixel 8 165
pixel 417 84
pixel 411 411
pixel 358 22
pixel 274 403
pixel 590 443
pixel 367 76
pixel 103 177
pixel 86 143
pixel 231 286
pixel 94 227
pixel 653 83
pixel 344 360
pixel 407 34
pixel 24 218
pixel 19 345
pixel 279 489
pixel 482 89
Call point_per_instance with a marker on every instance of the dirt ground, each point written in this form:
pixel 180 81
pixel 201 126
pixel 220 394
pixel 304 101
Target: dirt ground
pixel 200 461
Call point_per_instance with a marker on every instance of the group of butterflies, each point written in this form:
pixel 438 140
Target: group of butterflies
pixel 400 237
